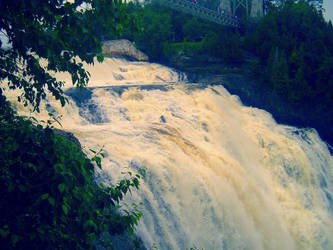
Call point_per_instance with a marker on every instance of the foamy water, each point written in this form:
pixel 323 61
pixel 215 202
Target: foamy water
pixel 219 175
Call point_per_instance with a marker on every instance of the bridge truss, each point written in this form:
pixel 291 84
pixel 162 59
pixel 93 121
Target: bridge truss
pixel 236 4
pixel 194 9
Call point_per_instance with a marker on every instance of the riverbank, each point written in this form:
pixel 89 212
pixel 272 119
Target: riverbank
pixel 237 79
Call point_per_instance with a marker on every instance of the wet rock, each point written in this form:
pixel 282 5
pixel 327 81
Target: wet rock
pixel 162 119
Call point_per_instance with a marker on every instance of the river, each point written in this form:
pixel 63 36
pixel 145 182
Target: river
pixel 220 175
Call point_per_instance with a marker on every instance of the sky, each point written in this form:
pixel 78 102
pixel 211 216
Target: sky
pixel 328 6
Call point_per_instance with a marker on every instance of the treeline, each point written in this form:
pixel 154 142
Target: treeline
pixel 294 48
pixel 294 45
pixel 291 49
pixel 165 32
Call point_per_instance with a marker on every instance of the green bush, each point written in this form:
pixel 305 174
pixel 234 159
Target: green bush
pixel 189 48
pixel 49 196
pixel 167 32
pixel 225 45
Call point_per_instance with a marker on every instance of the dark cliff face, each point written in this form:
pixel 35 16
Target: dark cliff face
pixel 254 93
pixel 237 79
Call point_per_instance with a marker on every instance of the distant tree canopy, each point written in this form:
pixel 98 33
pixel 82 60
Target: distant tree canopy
pixel 62 32
pixel 316 3
pixel 166 31
pixel 295 47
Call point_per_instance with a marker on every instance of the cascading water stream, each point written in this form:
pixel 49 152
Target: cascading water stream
pixel 220 175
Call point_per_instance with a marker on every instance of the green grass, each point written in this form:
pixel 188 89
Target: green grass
pixel 189 48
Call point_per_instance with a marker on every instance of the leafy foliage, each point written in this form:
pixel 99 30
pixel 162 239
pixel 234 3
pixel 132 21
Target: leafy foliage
pixel 295 47
pixel 166 31
pixel 273 3
pixel 61 33
pixel 157 31
pixel 189 48
pixel 225 45
pixel 49 196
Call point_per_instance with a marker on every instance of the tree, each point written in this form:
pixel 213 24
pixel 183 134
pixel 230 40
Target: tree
pixel 50 199
pixel 277 71
pixel 316 3
pixel 64 33
pixel 300 31
pixel 194 29
pixel 157 30
pixel 301 74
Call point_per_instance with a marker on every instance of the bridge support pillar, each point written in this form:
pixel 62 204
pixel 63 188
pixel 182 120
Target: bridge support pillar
pixel 257 8
pixel 236 4
pixel 253 8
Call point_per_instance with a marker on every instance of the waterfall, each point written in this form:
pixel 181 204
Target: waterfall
pixel 220 175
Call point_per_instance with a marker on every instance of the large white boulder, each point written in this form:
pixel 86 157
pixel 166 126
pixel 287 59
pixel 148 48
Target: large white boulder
pixel 122 47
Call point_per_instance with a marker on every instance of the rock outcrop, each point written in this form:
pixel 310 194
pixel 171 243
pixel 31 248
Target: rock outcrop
pixel 122 47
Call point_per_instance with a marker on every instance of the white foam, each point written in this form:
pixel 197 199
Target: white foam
pixel 219 175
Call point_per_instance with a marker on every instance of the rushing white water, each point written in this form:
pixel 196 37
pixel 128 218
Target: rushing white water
pixel 219 175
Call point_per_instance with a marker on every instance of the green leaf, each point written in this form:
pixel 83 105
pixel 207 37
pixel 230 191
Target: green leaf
pixel 90 223
pixel 4 233
pixel 22 188
pixel 136 182
pixel 51 201
pixel 44 196
pixel 100 58
pixel 11 187
pixel 61 187
pixel 65 208
pixel 98 161
pixel 15 238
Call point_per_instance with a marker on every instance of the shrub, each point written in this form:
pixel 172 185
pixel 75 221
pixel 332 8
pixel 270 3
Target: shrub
pixel 49 196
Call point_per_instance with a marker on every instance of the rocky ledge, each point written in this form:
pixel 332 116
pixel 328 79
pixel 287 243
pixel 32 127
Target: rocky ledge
pixel 122 47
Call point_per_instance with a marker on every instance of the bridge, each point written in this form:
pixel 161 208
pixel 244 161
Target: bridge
pixel 189 7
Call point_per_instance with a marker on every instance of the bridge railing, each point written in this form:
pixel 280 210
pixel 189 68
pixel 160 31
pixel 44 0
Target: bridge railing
pixel 200 11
